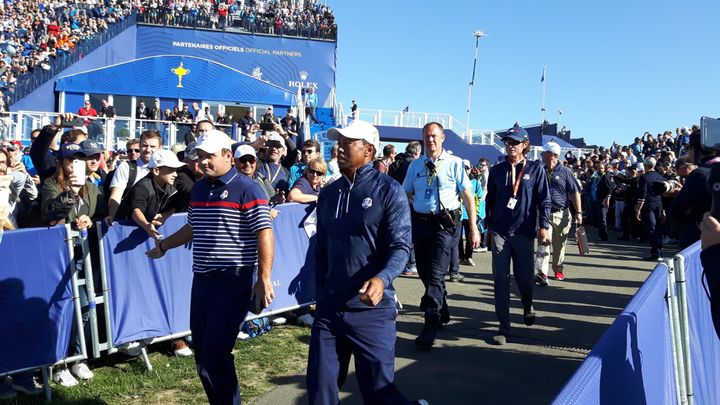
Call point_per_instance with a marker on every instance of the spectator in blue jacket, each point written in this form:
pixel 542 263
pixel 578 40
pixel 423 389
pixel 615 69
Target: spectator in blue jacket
pixel 517 209
pixel 363 243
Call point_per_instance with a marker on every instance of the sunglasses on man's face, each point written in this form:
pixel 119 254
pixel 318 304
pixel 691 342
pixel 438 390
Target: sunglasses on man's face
pixel 511 142
pixel 133 150
pixel 247 159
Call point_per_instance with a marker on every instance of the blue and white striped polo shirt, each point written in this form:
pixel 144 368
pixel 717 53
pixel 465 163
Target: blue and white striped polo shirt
pixel 225 215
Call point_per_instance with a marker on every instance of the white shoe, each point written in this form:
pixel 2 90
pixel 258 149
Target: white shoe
pixel 306 320
pixel 181 349
pixel 82 371
pixel 242 336
pixel 279 321
pixel 65 378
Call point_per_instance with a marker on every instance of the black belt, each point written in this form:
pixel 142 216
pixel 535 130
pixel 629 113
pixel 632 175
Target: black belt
pixel 433 216
pixel 558 210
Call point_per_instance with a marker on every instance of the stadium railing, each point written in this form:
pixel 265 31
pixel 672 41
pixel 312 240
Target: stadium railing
pixel 110 133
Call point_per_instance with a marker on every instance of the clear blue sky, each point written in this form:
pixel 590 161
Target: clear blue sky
pixel 615 68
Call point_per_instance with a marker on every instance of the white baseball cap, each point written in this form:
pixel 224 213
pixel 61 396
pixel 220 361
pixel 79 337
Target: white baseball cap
pixel 357 130
pixel 244 150
pixel 552 147
pixel 213 141
pixel 274 136
pixel 164 158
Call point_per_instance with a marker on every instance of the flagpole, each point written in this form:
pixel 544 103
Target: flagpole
pixel 542 107
pixel 478 35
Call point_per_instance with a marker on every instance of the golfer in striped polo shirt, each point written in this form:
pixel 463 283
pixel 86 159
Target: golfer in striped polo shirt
pixel 229 225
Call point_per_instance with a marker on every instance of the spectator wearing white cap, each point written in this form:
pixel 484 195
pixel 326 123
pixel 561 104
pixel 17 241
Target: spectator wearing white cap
pixel 151 199
pixel 274 168
pixel 564 191
pixel 246 163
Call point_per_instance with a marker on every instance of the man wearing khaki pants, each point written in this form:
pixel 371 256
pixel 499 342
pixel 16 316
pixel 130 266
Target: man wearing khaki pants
pixel 563 191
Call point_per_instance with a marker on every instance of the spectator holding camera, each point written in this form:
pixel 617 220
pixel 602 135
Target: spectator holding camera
pixel 69 197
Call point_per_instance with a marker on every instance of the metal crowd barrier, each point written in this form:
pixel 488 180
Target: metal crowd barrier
pixel 680 329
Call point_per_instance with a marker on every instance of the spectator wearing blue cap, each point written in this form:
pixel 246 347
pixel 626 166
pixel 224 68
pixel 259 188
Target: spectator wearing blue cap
pixel 517 200
pixel 69 197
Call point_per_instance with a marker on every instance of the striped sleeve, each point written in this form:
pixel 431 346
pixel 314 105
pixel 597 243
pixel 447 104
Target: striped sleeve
pixel 255 208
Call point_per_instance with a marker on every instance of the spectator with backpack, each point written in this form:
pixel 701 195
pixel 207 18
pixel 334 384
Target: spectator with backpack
pixel 129 173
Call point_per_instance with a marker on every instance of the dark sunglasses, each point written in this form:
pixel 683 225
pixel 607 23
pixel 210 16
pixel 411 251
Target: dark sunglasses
pixel 315 172
pixel 511 142
pixel 134 150
pixel 247 159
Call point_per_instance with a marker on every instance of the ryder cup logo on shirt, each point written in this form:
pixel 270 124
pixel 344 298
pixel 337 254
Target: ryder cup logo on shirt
pixel 526 177
pixel 367 203
pixel 224 195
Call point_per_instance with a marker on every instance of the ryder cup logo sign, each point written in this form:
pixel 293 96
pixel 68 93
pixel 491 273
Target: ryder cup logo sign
pixel 303 83
pixel 257 73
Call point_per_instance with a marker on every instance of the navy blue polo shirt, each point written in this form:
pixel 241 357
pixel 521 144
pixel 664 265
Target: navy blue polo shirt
pixel 533 199
pixel 225 216
pixel 303 184
pixel 562 187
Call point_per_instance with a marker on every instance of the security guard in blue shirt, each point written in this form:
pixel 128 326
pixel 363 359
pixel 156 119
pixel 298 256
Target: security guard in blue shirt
pixel 363 243
pixel 437 181
pixel 517 200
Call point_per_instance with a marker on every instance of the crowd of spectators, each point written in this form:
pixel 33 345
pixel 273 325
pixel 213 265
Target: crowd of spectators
pixel 34 33
pixel 308 19
pixel 636 190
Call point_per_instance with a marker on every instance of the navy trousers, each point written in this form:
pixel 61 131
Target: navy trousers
pixel 367 334
pixel 432 256
pixel 219 304
pixel 650 217
pixel 520 251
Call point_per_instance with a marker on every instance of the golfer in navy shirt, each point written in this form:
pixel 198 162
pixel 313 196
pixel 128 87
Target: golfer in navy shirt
pixel 518 208
pixel 229 225
pixel 363 243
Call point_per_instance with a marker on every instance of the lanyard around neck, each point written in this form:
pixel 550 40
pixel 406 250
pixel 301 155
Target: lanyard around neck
pixel 516 181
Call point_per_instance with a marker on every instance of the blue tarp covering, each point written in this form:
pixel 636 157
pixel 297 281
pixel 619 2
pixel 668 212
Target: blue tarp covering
pixel 704 343
pixel 633 362
pixel 453 142
pixel 173 76
pixel 36 310
pixel 151 298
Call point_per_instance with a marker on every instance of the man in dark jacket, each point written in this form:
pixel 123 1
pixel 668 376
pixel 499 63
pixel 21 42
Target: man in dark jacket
pixel 694 199
pixel 151 199
pixel 649 208
pixel 363 239
pixel 398 169
pixel 600 192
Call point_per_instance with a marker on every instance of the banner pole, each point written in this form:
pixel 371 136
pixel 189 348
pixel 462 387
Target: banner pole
pixel 675 334
pixel 69 238
pixel 90 290
pixel 105 289
pixel 679 261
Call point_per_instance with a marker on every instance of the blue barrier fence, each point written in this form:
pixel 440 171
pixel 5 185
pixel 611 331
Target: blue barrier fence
pixel 36 308
pixel 633 361
pixel 145 298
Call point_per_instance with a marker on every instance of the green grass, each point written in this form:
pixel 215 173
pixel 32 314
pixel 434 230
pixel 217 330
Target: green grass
pixel 259 361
